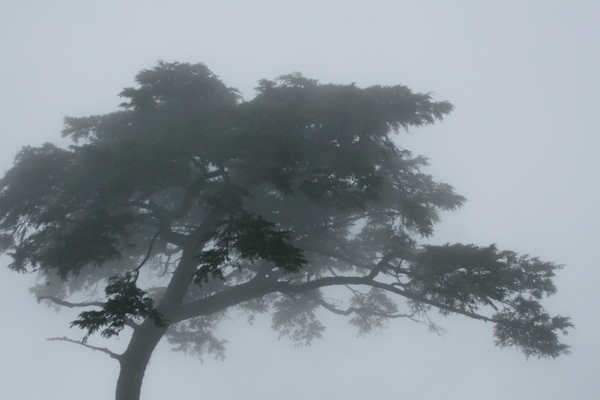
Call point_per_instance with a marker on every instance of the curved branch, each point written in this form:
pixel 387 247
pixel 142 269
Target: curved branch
pixel 355 310
pixel 95 348
pixel 65 303
pixel 252 289
pixel 130 323
pixel 136 270
pixel 350 280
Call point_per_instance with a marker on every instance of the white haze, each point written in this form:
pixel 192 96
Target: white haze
pixel 522 146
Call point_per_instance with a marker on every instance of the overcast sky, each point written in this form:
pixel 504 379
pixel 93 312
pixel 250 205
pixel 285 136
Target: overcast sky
pixel 522 145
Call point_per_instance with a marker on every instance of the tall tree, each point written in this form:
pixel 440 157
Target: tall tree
pixel 262 206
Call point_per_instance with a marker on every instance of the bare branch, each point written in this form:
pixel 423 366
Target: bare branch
pixel 95 348
pixel 65 303
pixel 355 310
pixel 430 324
pixel 136 270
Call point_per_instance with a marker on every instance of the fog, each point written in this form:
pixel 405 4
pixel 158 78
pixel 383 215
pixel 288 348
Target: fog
pixel 521 146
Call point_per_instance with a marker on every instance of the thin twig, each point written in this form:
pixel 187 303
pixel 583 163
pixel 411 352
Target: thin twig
pixel 95 348
pixel 65 303
pixel 136 270
pixel 356 310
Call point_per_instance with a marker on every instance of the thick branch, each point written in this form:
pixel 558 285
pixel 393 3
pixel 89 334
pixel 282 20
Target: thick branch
pixel 95 348
pixel 349 280
pixel 258 288
pixel 227 298
pixel 182 276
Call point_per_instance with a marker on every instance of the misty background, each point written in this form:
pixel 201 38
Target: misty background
pixel 522 146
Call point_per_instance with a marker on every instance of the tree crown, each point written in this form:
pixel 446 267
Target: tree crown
pixel 274 200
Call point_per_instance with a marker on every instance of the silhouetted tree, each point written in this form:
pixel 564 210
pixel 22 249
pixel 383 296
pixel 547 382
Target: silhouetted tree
pixel 260 205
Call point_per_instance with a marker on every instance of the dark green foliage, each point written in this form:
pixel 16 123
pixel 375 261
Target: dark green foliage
pixel 264 204
pixel 125 302
pixel 466 276
pixel 526 325
pixel 248 237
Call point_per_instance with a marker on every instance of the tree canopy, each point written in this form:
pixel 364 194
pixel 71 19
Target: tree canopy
pixel 189 202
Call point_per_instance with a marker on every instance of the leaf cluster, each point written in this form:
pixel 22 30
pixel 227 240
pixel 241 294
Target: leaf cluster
pixel 297 320
pixel 372 310
pixel 198 337
pixel 126 302
pixel 463 278
pixel 248 237
pixel 526 325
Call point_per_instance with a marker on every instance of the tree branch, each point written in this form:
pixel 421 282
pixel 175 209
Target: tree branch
pixel 284 287
pixel 95 348
pixel 252 289
pixel 65 303
pixel 182 276
pixel 350 310
pixel 150 247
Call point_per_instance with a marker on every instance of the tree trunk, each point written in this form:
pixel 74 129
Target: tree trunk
pixel 146 336
pixel 135 360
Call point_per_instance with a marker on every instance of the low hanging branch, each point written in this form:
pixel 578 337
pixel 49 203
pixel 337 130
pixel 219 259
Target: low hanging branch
pixel 65 303
pixel 95 348
pixel 126 302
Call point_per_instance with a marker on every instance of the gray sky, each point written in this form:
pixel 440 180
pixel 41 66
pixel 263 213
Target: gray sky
pixel 522 146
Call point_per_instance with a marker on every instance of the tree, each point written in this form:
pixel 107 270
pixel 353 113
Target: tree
pixel 262 206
